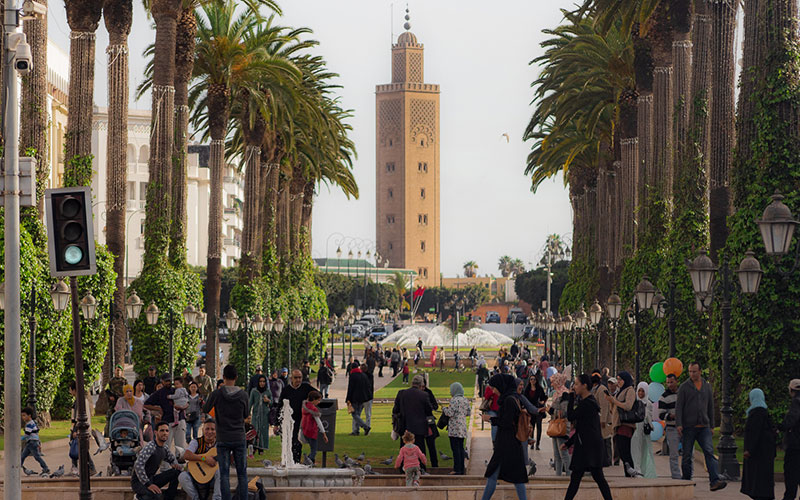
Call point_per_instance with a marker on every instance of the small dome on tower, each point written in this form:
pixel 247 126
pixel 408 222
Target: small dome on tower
pixel 407 38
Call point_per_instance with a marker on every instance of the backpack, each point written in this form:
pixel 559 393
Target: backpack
pixel 524 427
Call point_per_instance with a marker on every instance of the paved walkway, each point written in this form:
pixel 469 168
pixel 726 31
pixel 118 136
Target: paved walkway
pixel 481 452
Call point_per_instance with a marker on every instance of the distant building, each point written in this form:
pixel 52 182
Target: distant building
pixel 501 289
pixel 407 163
pixel 364 268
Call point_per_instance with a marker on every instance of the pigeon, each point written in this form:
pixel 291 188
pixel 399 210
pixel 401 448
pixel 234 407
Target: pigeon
pixel 338 461
pixel 368 470
pixel 443 456
pixel 267 463
pixel 59 472
pixel 388 461
pixel 361 457
pixel 28 472
pixel 349 462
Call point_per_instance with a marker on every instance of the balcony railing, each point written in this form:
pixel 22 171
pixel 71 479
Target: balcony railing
pixel 232 242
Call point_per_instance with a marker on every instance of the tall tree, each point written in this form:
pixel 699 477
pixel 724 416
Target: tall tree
pixel 504 265
pixel 118 16
pixel 83 17
pixel 470 268
pixel 33 115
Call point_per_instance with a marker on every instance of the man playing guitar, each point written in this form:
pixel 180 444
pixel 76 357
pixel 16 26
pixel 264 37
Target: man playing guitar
pixel 201 465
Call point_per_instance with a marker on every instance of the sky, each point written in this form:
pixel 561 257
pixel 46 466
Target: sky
pixel 479 56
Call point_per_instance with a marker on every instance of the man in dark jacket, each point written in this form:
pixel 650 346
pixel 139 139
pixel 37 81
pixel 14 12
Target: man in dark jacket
pixel 295 392
pixel 694 419
pixel 230 409
pixel 358 393
pixel 150 381
pixel 414 407
pixel 146 481
pixel 791 442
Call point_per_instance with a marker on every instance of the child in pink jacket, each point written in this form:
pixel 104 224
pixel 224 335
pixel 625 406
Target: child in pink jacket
pixel 410 457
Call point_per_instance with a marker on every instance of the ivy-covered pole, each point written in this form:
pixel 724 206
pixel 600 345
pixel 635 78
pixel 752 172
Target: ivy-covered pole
pixel 727 444
pixel 32 325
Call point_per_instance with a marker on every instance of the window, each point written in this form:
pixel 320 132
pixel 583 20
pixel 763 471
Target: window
pixel 419 218
pixel 422 272
pixel 131 190
pixel 142 190
pixel 390 143
pixel 391 193
pixel 419 166
pixel 390 219
pixel 422 245
pixel 390 167
pixel 141 226
pixel 391 246
pixel 425 219
pixel 422 193
pixel 425 166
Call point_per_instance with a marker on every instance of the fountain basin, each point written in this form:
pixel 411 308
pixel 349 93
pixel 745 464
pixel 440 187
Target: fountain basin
pixel 280 477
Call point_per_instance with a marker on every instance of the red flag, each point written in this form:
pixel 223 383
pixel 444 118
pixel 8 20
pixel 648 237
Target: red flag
pixel 418 292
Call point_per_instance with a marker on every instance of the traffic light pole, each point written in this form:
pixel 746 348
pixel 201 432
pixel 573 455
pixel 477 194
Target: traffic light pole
pixel 82 426
pixel 13 351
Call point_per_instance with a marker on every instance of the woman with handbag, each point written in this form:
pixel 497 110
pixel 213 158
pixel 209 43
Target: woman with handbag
pixel 644 463
pixel 456 423
pixel 559 427
pixel 535 393
pixel 507 462
pixel 623 431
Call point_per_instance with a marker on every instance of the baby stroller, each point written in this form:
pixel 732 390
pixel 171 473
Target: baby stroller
pixel 125 432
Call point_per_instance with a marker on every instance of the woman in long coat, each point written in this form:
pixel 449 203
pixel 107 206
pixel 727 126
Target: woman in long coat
pixel 758 481
pixel 587 441
pixel 260 403
pixel 644 462
pixel 508 460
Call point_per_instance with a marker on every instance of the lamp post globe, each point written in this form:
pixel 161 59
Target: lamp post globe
pixel 614 306
pixel 581 318
pixel 88 306
pixel 133 306
pixel 702 271
pixel 595 312
pixel 60 295
pixel 644 293
pixel 232 319
pixel 258 323
pixel 658 305
pixel 189 314
pixel 152 313
pixel 749 273
pixel 777 226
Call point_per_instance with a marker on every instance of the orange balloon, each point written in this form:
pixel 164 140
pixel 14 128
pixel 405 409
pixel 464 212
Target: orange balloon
pixel 673 366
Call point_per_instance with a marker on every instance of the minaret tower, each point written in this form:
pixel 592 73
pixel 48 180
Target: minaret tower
pixel 407 163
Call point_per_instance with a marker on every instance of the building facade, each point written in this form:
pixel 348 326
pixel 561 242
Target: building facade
pixel 407 163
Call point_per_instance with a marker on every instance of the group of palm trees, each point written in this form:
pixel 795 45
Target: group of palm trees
pixel 635 106
pixel 510 267
pixel 253 88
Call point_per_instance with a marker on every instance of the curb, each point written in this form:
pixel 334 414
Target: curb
pixel 47 445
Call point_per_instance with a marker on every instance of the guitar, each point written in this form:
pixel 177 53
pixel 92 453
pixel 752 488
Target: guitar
pixel 200 471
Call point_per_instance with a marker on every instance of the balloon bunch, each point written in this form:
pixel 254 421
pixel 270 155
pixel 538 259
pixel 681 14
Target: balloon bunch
pixel 658 375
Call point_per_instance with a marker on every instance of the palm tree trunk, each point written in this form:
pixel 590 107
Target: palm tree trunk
pixel 282 216
pixel 643 69
pixel 723 136
pixel 34 116
pixel 118 17
pixel 218 113
pixel 157 215
pixel 83 17
pixel 269 199
pixel 296 210
pixel 305 222
pixel 251 232
pixel 184 63
pixel 701 83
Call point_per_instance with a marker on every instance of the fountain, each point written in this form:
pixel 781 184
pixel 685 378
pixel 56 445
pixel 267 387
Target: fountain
pixel 441 335
pixel 291 474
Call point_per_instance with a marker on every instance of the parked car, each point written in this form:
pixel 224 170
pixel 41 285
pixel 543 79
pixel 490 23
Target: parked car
pixel 372 318
pixel 493 317
pixel 515 315
pixel 356 330
pixel 378 333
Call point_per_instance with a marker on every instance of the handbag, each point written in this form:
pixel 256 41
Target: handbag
pixel 443 422
pixel 524 427
pixel 647 428
pixel 634 415
pixel 557 427
pixel 74 451
pixel 486 405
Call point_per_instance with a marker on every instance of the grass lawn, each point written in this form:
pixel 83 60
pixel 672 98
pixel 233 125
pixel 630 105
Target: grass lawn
pixel 439 383
pixel 59 429
pixel 378 446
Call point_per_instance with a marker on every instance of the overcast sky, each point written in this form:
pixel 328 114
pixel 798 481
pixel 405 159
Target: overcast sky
pixel 479 54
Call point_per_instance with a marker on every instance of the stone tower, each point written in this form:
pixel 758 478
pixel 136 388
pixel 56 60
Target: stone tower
pixel 407 162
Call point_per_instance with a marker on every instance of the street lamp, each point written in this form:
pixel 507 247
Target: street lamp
pixel 777 227
pixel 580 321
pixel 88 306
pixel 333 323
pixel 703 272
pixel 279 324
pixel 595 315
pixel 268 325
pixel 614 306
pixel 341 322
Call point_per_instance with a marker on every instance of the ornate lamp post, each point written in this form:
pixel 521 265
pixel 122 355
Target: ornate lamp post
pixel 614 306
pixel 133 307
pixel 595 315
pixel 257 323
pixel 268 324
pixel 340 323
pixel 643 295
pixel 703 273
pixel 581 319
pixel 278 325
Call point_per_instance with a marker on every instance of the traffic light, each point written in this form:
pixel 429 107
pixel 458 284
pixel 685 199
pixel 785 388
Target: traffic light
pixel 70 234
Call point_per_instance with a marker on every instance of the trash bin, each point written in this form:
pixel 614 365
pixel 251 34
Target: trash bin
pixel 327 409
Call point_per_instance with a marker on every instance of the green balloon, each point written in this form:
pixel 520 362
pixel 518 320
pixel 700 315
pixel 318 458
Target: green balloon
pixel 657 373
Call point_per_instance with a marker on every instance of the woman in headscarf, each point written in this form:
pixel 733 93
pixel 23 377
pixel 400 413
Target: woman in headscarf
pixel 644 463
pixel 508 460
pixel 558 410
pixel 623 432
pixel 129 402
pixel 758 480
pixel 458 410
pixel 260 403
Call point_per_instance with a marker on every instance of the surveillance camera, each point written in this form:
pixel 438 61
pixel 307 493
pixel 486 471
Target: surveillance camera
pixel 23 60
pixel 31 9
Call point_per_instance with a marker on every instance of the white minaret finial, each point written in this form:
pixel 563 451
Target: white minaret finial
pixel 407 24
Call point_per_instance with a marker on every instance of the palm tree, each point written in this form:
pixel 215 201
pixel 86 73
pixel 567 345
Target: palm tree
pixel 33 115
pixel 118 17
pixel 83 17
pixel 470 267
pixel 517 267
pixel 399 284
pixel 504 265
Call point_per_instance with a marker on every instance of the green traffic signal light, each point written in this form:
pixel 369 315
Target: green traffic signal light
pixel 73 254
